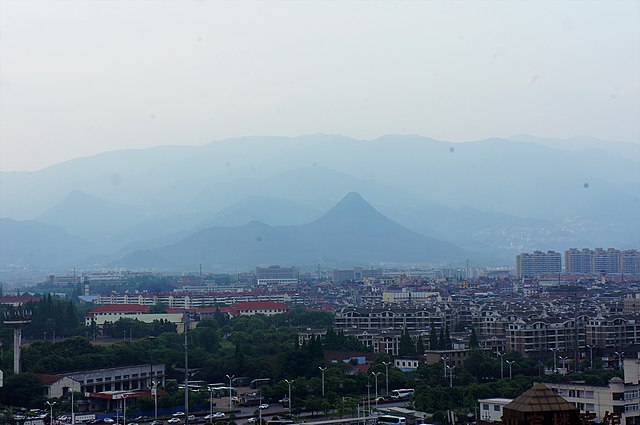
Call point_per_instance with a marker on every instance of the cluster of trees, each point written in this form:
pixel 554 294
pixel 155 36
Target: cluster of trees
pixel 51 316
pixel 441 341
pixel 406 347
pixel 256 346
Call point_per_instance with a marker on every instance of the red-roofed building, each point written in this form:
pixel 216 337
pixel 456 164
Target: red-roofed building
pixel 56 386
pixel 268 308
pixel 17 301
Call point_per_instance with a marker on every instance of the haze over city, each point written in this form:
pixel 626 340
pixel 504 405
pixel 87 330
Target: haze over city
pixel 80 78
pixel 319 213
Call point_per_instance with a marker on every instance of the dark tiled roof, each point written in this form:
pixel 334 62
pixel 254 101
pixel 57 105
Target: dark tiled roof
pixel 539 398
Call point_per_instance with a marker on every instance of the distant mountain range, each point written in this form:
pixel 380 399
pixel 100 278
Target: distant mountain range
pixel 352 232
pixel 493 198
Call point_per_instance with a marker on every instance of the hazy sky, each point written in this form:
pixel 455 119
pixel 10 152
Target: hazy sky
pixel 82 77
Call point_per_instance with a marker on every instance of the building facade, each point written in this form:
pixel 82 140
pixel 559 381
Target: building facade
pixel 538 263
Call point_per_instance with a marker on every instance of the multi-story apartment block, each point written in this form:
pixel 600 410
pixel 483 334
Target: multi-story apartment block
pixel 537 336
pixel 630 262
pixel 538 263
pixel 409 297
pixel 613 332
pixel 276 274
pixel 631 304
pixel 410 318
pixel 578 261
pixel 192 300
pixel 606 261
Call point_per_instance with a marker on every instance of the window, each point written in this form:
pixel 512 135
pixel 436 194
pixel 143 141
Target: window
pixel 496 408
pixel 485 407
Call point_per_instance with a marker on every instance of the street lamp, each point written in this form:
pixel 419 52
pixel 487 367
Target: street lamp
pixel 368 397
pixel 386 370
pixel 555 368
pixel 230 377
pixel 591 347
pixel 210 404
pixel 562 363
pixel 322 369
pixel 376 374
pixel 154 392
pixel 124 408
pixel 50 411
pixel 445 366
pixel 186 368
pixel 289 383
pixel 73 416
pixel 620 354
pixel 501 364
pixel 510 362
pixel 450 375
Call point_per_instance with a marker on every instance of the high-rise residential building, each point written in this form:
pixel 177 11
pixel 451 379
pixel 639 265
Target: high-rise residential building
pixel 606 261
pixel 609 261
pixel 538 263
pixel 630 261
pixel 578 261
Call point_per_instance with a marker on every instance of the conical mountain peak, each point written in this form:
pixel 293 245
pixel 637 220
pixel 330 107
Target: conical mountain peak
pixel 353 202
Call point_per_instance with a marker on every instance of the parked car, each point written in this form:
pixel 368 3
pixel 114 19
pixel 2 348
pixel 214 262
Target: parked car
pixel 284 400
pixel 178 414
pixel 108 421
pixel 263 406
pixel 174 421
pixel 251 420
pixel 157 422
pixel 192 417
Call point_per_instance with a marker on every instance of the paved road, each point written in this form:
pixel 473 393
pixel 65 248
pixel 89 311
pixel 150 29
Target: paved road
pixel 245 413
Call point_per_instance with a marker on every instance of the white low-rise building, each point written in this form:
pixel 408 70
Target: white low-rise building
pixel 616 397
pixel 490 409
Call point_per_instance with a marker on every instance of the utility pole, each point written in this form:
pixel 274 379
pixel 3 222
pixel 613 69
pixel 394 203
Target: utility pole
pixel 186 369
pixel 289 382
pixel 591 347
pixel 501 364
pixel 322 369
pixel 386 370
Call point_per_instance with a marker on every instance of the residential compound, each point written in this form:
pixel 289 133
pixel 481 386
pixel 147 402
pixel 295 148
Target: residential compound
pixel 584 261
pixel 610 261
pixel 571 328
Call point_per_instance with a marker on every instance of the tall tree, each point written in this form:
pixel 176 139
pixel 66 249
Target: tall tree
pixel 419 346
pixel 447 339
pixel 433 339
pixel 473 339
pixel 406 346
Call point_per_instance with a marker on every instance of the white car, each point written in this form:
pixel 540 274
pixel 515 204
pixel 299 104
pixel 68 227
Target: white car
pixel 108 421
pixel 263 406
pixel 178 414
pixel 174 421
pixel 251 420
